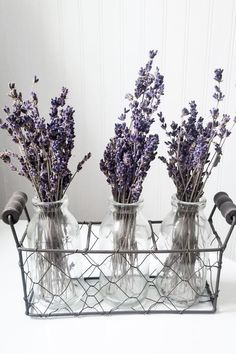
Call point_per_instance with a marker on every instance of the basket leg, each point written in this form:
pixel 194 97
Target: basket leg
pixel 21 264
pixel 218 280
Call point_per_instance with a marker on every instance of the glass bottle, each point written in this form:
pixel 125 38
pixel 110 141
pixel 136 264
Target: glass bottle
pixel 124 272
pixel 182 279
pixel 55 274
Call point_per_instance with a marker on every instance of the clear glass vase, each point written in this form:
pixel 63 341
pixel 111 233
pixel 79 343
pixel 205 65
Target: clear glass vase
pixel 124 273
pixel 55 274
pixel 182 279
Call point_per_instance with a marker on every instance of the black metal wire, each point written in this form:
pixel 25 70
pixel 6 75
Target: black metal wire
pixel 92 299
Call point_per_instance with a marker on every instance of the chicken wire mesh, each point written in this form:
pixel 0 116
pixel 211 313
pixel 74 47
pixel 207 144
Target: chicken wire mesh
pixel 92 300
pixel 43 300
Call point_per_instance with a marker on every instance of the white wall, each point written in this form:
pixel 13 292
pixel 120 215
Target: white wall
pixel 95 48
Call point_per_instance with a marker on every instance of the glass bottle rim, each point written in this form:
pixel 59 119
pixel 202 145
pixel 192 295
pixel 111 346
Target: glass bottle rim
pixel 136 204
pixel 37 202
pixel 201 203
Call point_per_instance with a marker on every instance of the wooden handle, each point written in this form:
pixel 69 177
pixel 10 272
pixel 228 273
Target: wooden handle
pixel 14 207
pixel 226 206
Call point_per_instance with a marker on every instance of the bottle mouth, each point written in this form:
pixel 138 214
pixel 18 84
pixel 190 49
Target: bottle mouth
pixel 38 203
pixel 200 204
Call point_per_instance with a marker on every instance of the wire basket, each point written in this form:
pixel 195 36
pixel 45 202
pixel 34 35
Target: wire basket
pixel 91 257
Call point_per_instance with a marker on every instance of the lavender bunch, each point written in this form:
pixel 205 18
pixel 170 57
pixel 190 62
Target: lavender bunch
pixel 128 155
pixel 45 148
pixel 195 146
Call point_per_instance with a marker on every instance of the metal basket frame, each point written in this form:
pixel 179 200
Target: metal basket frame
pixel 157 305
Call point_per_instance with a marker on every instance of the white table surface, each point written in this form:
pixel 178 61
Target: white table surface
pixel 126 334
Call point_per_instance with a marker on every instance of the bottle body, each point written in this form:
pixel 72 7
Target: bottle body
pixel 185 231
pixel 124 272
pixel 55 274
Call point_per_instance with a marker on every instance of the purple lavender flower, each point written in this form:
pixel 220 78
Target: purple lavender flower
pixel 218 95
pixel 129 153
pixel 218 75
pixel 194 148
pixel 46 147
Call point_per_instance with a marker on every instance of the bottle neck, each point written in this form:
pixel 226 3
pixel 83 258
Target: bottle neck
pixel 50 208
pixel 125 208
pixel 188 207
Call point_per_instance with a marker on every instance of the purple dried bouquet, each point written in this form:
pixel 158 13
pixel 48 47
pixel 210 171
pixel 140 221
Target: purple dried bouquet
pixel 128 155
pixel 45 148
pixel 195 146
pixel 125 163
pixel 194 149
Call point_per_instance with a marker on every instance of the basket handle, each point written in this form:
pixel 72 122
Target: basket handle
pixel 226 206
pixel 14 207
pixel 228 209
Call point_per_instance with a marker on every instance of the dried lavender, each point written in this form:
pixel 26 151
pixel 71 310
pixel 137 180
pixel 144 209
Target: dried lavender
pixel 45 151
pixel 129 153
pixel 45 147
pixel 125 163
pixel 195 146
